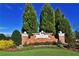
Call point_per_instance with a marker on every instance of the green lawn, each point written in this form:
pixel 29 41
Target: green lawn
pixel 41 52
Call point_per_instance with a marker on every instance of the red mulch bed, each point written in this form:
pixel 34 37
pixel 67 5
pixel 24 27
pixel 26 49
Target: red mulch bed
pixel 12 49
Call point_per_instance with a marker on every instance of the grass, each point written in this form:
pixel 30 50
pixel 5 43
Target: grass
pixel 41 52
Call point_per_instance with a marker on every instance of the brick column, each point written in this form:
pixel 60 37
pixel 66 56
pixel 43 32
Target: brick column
pixel 24 38
pixel 62 37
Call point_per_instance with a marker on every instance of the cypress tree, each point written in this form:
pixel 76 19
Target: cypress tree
pixel 30 24
pixel 47 19
pixel 62 24
pixel 58 18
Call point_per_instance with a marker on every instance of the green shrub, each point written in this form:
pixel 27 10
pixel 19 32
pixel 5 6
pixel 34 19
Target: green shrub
pixel 60 45
pixel 5 44
pixel 16 37
pixel 43 43
pixel 2 36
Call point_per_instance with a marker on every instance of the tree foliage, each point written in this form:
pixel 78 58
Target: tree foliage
pixel 62 24
pixel 66 28
pixel 30 24
pixel 77 34
pixel 2 36
pixel 16 37
pixel 47 19
pixel 58 19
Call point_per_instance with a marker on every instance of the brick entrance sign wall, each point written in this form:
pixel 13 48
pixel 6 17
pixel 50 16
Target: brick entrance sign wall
pixel 41 37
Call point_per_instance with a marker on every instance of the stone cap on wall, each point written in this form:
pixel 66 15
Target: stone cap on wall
pixel 24 34
pixel 61 34
pixel 42 32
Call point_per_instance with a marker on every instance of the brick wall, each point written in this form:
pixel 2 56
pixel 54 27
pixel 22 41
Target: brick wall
pixel 33 39
pixel 51 38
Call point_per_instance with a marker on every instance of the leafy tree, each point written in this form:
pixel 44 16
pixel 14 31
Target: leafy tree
pixel 2 36
pixel 47 19
pixel 16 37
pixel 30 24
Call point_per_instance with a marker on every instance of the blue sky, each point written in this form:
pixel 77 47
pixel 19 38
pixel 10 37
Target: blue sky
pixel 11 15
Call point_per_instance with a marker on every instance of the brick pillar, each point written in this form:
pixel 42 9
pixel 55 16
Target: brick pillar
pixel 24 38
pixel 62 37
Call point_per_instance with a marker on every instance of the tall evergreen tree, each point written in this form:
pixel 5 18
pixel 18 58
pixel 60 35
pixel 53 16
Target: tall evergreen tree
pixel 58 18
pixel 47 19
pixel 65 27
pixel 62 24
pixel 30 24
